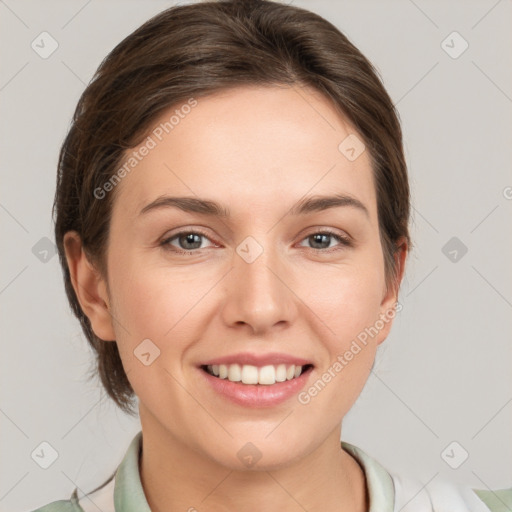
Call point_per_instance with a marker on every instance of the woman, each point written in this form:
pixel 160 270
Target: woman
pixel 232 216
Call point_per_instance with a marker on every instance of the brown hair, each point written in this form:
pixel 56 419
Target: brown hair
pixel 195 50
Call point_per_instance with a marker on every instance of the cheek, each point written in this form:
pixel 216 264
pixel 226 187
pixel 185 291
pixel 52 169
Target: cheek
pixel 144 305
pixel 347 308
pixel 150 298
pixel 346 300
pixel 348 304
pixel 151 306
pixel 159 303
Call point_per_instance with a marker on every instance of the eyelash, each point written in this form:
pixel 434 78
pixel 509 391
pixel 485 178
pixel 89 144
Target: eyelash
pixel 345 242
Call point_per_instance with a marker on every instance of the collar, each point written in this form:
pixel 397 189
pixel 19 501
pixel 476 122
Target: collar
pixel 379 483
pixel 129 495
pixel 128 492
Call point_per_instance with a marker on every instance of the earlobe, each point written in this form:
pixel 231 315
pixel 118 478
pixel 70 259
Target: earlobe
pixel 90 287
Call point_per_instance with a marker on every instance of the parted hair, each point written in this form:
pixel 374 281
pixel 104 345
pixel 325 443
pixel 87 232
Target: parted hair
pixel 194 50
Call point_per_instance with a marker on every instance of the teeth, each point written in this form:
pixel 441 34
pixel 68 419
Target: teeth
pixel 249 374
pixel 281 373
pixel 267 375
pixel 223 371
pixel 234 373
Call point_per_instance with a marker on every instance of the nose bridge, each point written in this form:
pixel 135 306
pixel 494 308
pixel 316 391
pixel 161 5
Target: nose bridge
pixel 257 293
pixel 256 265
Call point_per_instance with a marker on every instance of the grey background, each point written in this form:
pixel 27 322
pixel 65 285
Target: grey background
pixel 444 373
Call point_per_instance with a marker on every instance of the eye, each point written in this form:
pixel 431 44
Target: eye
pixel 189 242
pixel 321 240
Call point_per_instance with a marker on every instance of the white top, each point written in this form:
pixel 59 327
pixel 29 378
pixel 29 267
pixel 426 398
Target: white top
pixel 387 492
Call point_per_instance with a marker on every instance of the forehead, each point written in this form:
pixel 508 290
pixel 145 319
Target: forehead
pixel 258 146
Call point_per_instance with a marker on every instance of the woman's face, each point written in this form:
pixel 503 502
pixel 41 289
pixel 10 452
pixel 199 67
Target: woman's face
pixel 262 285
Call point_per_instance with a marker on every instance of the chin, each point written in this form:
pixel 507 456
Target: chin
pixel 259 455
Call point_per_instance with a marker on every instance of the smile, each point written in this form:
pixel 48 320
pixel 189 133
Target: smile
pixel 250 374
pixel 252 386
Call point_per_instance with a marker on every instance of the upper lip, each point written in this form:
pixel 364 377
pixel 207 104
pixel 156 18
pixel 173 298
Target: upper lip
pixel 258 359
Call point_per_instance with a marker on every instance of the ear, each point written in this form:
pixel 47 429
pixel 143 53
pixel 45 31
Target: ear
pixel 389 304
pixel 90 288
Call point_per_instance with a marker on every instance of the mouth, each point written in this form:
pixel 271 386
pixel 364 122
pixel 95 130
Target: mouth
pixel 267 375
pixel 256 380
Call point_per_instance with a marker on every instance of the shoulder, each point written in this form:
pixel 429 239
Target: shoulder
pixel 446 495
pixel 390 491
pixel 499 500
pixel 102 498
pixel 70 505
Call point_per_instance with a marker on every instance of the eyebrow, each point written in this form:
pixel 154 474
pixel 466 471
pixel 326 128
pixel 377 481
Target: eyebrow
pixel 208 207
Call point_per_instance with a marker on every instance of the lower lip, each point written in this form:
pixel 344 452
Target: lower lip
pixel 257 395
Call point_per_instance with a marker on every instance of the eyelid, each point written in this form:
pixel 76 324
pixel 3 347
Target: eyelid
pixel 197 231
pixel 345 241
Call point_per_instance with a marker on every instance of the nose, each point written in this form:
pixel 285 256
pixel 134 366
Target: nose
pixel 259 293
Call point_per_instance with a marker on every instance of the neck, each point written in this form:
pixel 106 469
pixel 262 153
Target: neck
pixel 175 477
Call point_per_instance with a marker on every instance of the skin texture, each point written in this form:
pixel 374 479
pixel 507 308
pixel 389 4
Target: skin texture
pixel 257 151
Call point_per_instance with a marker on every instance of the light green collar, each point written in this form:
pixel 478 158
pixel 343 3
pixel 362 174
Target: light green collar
pixel 381 490
pixel 128 492
pixel 129 495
